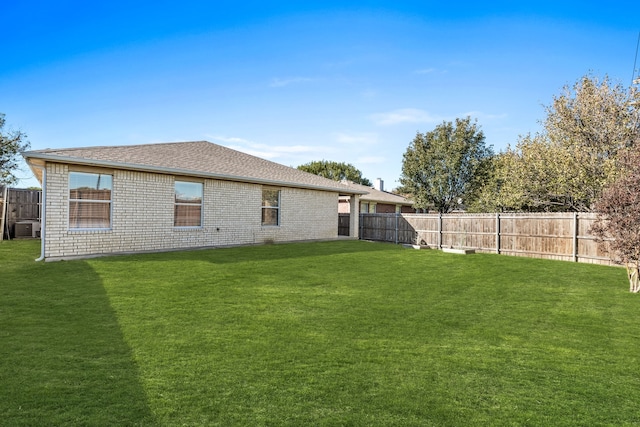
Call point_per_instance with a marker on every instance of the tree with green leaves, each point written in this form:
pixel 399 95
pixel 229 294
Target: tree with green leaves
pixel 530 177
pixel 566 166
pixel 336 171
pixel 446 166
pixel 592 121
pixel 12 143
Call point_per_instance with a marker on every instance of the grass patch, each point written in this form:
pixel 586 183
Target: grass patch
pixel 333 333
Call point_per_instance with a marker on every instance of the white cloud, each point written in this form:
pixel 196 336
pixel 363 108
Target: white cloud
pixel 404 115
pixel 273 152
pixel 266 151
pixel 414 115
pixel 356 138
pixel 229 140
pixel 278 82
pixel 269 155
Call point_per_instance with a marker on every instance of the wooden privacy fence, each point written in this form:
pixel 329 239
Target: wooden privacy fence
pixel 19 205
pixel 562 236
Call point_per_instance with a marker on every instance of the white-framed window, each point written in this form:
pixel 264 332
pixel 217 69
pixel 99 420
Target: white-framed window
pixel 188 204
pixel 364 207
pixel 90 200
pixel 270 206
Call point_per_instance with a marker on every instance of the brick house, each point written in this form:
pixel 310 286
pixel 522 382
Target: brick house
pixel 377 200
pixel 170 196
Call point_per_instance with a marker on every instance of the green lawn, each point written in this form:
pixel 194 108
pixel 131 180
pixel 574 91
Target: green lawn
pixel 332 334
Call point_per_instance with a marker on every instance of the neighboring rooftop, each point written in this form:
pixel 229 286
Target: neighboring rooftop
pixel 198 158
pixel 378 196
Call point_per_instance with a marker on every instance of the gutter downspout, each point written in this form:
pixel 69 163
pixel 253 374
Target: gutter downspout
pixel 43 214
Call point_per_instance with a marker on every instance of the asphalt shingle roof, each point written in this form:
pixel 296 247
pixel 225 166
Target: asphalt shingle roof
pixel 198 158
pixel 379 196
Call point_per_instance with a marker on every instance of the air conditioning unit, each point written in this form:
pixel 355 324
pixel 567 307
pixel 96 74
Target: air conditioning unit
pixel 24 229
pixel 27 229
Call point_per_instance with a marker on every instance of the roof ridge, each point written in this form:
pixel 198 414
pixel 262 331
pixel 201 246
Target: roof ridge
pixel 93 147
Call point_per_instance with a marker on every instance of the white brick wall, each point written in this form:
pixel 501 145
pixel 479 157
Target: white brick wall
pixel 142 216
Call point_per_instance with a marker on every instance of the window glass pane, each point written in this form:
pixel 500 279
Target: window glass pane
pixel 188 204
pixel 188 192
pixel 89 200
pixel 91 186
pixel 270 198
pixel 269 216
pixel 89 215
pixel 270 206
pixel 187 215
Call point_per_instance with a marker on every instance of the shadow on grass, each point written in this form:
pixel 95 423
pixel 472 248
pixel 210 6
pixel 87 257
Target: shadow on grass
pixel 272 252
pixel 63 358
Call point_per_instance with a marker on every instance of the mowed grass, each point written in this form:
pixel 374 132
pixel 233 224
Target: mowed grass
pixel 343 333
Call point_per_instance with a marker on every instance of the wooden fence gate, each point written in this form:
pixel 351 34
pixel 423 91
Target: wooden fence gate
pixel 343 224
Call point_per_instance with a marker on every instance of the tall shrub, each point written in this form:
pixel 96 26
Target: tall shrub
pixel 618 224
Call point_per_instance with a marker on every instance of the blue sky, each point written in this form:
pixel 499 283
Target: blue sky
pixel 294 82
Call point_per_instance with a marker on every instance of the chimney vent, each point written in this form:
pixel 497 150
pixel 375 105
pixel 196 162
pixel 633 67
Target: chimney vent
pixel 379 184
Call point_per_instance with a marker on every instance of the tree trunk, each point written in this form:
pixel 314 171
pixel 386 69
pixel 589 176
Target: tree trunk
pixel 634 279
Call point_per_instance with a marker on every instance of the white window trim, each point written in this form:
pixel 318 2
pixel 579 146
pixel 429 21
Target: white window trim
pixel 188 227
pixel 277 208
pixel 70 200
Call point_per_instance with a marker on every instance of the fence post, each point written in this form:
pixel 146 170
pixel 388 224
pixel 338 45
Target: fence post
pixel 575 236
pixel 397 228
pixel 439 230
pixel 498 232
